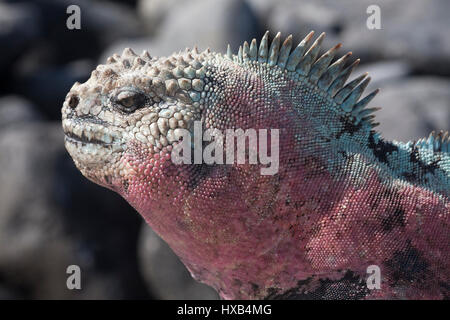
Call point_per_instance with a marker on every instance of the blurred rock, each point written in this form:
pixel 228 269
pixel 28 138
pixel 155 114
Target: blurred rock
pixel 131 3
pixel 310 16
pixel 15 109
pixel 101 23
pixel 200 23
pixel 300 17
pixel 165 274
pixel 38 29
pixel 383 72
pixel 206 23
pixel 415 31
pixel 48 86
pixel 413 107
pixel 154 12
pixel 109 21
pixel 52 217
pixel 46 68
pixel 20 24
pixel 7 293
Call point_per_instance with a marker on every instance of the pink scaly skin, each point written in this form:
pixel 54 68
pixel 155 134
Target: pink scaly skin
pixel 343 199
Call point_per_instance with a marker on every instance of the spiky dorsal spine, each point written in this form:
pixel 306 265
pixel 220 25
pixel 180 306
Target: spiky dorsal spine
pixel 436 142
pixel 305 62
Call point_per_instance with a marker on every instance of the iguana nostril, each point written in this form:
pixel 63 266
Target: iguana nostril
pixel 73 101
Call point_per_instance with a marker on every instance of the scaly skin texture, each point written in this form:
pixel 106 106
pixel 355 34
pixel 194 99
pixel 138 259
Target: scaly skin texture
pixel 343 198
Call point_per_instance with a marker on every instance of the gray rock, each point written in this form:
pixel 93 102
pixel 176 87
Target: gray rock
pixel 413 107
pixel 165 274
pixel 38 29
pixel 48 86
pixel 52 217
pixel 109 21
pixel 101 22
pixel 300 20
pixel 19 25
pixel 45 70
pixel 383 72
pixel 414 31
pixel 264 8
pixel 7 293
pixel 15 109
pixel 154 12
pixel 200 23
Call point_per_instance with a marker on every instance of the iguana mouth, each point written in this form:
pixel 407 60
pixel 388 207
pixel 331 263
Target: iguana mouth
pixel 71 137
pixel 91 144
pixel 89 133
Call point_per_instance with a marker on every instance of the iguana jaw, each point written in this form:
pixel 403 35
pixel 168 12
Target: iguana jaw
pixel 90 133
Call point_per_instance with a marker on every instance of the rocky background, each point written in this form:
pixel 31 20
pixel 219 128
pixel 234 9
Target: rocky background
pixel 52 217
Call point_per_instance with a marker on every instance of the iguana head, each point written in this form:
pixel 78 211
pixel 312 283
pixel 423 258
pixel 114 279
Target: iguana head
pixel 133 102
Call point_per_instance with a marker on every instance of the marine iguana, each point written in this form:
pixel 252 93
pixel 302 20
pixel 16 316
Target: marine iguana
pixel 343 197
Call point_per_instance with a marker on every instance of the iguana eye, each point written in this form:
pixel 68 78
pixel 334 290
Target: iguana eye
pixel 129 101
